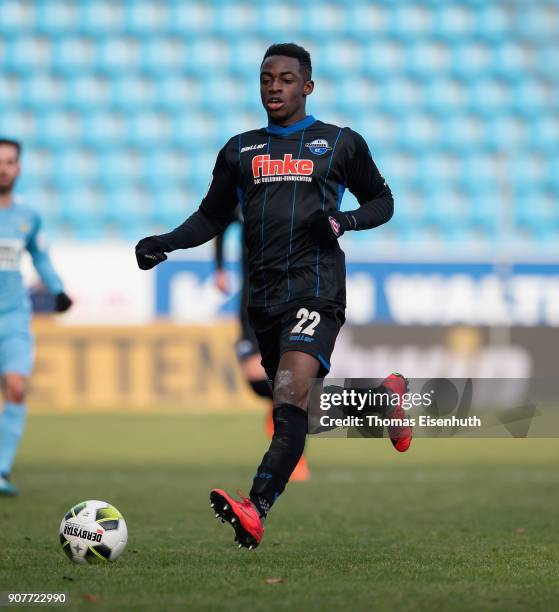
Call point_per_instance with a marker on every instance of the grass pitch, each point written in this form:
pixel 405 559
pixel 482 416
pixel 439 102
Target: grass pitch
pixel 450 525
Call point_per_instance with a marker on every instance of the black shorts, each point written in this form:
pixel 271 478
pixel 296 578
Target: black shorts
pixel 309 325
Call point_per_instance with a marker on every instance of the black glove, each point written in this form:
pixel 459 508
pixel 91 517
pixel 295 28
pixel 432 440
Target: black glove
pixel 62 302
pixel 150 251
pixel 326 227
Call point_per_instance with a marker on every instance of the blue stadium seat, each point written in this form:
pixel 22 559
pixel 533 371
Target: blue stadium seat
pixel 224 91
pixel 546 59
pixel 537 21
pixel 445 94
pixel 489 96
pixel 132 93
pixel 189 19
pixel 417 131
pixel 383 58
pixel 118 55
pixel 58 130
pixel 230 18
pixel 495 21
pixel 87 93
pixel 506 133
pixel 171 206
pixel 195 131
pixel 176 93
pixel 56 17
pixel 537 211
pixel 462 132
pixel 75 167
pixel 543 133
pixel 145 17
pixel 118 166
pixel 400 95
pixel 513 59
pixel 42 92
pixel 427 58
pixel 409 21
pixel 104 130
pixel 16 16
pixel 323 20
pixel 367 21
pixel 454 21
pixel 74 56
pixel 101 17
pixel 532 97
pixel 10 92
pixel 163 56
pixel 148 128
pixel 27 53
pixel 280 21
pixel 471 58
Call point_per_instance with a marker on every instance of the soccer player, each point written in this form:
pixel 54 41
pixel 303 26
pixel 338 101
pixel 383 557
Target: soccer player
pixel 247 349
pixel 289 178
pixel 20 229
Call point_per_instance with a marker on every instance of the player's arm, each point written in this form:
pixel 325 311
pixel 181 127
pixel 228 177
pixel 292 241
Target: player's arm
pixel 37 247
pixel 363 179
pixel 211 218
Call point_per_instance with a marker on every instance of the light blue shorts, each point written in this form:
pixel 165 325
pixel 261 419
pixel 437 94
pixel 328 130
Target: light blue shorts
pixel 16 343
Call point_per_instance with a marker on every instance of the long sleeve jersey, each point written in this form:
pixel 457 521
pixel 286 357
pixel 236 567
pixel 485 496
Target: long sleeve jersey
pixel 20 230
pixel 281 176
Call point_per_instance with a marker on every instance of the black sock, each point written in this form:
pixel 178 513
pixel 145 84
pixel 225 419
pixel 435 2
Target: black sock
pixel 286 448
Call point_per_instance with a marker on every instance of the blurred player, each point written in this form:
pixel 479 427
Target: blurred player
pixel 289 178
pixel 20 229
pixel 248 352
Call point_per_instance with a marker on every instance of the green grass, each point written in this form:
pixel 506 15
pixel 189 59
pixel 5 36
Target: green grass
pixel 450 525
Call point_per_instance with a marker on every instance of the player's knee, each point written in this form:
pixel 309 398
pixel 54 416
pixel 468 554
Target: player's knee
pixel 15 389
pixel 288 389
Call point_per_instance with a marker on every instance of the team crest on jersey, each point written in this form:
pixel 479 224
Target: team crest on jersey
pixel 318 146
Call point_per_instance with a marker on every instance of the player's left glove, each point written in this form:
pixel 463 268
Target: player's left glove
pixel 150 251
pixel 62 302
pixel 327 226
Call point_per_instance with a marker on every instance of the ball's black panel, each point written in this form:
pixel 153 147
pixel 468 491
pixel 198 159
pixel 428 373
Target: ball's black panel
pixel 65 546
pixel 75 510
pixel 102 551
pixel 109 525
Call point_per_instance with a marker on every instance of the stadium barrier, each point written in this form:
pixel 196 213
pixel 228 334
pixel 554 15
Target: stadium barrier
pixel 150 367
pixel 167 366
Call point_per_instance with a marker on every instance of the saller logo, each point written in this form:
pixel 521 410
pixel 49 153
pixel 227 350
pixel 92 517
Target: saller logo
pixel 262 165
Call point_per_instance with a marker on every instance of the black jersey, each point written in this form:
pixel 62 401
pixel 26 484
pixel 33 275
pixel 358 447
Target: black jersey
pixel 280 176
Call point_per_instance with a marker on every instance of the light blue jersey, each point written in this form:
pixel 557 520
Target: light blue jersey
pixel 20 230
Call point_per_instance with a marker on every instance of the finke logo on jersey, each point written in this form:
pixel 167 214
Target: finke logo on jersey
pixel 334 225
pixel 263 166
pixel 318 146
pixel 252 147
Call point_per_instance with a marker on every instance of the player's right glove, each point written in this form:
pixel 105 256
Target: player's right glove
pixel 326 227
pixel 150 251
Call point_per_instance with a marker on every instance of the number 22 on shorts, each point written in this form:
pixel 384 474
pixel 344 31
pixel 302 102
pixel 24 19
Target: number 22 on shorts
pixel 304 316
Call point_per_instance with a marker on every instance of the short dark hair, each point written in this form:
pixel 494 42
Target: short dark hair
pixel 292 50
pixel 12 143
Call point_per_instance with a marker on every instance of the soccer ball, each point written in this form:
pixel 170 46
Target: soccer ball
pixel 93 532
